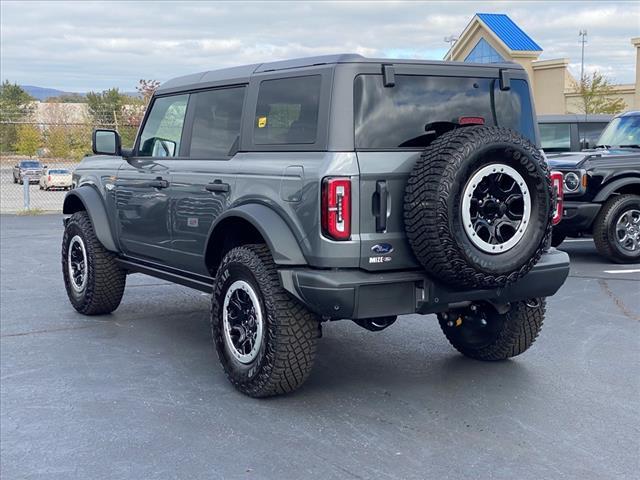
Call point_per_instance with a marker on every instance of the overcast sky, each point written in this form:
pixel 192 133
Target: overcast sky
pixel 81 46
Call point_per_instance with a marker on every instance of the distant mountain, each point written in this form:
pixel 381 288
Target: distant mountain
pixel 42 93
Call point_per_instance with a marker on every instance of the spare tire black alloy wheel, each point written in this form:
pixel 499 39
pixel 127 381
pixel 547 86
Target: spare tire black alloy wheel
pixel 496 207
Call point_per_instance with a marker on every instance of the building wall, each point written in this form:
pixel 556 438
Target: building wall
pixel 549 85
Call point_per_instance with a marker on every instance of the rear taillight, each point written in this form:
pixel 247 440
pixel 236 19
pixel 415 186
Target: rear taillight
pixel 556 182
pixel 336 208
pixel 49 178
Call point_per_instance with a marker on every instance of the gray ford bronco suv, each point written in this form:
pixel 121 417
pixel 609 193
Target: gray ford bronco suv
pixel 326 188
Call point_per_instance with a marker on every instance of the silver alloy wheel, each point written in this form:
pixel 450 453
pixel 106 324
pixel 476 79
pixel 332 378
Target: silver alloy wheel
pixel 77 264
pixel 242 321
pixel 496 208
pixel 628 230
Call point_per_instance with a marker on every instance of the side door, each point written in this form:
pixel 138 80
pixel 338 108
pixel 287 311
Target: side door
pixel 202 184
pixel 143 182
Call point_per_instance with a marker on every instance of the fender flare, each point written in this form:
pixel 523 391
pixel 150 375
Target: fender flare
pixel 613 186
pixel 90 199
pixel 279 237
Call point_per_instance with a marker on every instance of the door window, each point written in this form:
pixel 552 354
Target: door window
pixel 590 133
pixel 216 122
pixel 162 131
pixel 287 111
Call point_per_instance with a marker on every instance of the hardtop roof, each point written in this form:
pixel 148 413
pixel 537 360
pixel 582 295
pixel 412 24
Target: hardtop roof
pixel 242 74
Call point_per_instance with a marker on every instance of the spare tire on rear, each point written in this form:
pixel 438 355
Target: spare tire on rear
pixel 478 207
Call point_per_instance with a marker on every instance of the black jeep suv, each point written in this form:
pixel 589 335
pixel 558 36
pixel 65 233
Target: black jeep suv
pixel 320 189
pixel 602 191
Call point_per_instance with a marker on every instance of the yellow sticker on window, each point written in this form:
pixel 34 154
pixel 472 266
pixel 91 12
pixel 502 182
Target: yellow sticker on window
pixel 262 122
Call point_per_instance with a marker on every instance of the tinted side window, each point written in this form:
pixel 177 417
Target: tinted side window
pixel 555 137
pixel 162 131
pixel 287 111
pixel 589 134
pixel 216 123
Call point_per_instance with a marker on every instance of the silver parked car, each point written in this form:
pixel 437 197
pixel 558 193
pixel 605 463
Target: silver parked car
pixel 56 179
pixel 27 168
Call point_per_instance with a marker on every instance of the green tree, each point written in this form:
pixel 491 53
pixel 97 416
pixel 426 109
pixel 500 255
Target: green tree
pixel 112 109
pixel 58 142
pixel 597 95
pixel 67 98
pixel 29 139
pixel 147 88
pixel 16 106
pixel 106 108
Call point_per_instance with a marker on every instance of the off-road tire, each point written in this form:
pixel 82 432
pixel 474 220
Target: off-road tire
pixel 105 278
pixel 290 331
pixel 515 331
pixel 604 228
pixel 557 238
pixel 433 204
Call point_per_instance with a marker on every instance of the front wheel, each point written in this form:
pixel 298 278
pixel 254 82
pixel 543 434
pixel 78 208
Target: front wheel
pixel 93 280
pixel 482 333
pixel 266 340
pixel 616 232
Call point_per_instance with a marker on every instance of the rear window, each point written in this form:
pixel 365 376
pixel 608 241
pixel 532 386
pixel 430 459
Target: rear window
pixel 59 172
pixel 419 108
pixel 287 111
pixel 555 137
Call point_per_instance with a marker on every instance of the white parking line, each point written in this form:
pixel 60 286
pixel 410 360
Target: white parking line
pixel 632 270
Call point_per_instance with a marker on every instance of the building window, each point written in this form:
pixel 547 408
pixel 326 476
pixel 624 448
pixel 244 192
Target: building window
pixel 484 53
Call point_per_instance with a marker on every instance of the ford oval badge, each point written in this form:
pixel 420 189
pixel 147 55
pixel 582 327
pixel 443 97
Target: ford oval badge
pixel 382 248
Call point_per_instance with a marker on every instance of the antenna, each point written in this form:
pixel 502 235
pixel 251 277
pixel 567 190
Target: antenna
pixel 583 40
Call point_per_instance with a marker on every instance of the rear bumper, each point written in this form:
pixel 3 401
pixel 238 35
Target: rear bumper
pixel 578 217
pixel 353 293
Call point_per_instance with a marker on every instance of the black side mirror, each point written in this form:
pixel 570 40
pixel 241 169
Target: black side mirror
pixel 106 142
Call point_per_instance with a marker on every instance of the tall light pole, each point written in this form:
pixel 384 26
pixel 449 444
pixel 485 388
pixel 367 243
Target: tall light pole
pixel 583 40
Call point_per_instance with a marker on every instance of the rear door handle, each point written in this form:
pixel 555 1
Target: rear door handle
pixel 380 210
pixel 159 183
pixel 217 186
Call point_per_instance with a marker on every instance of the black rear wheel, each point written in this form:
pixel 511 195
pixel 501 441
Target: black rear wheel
pixel 481 332
pixel 265 339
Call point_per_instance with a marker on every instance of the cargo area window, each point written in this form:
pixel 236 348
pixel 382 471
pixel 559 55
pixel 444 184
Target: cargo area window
pixel 287 111
pixel 216 122
pixel 162 131
pixel 419 108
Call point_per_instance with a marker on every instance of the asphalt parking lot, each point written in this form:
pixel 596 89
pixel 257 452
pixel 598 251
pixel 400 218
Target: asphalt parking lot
pixel 139 394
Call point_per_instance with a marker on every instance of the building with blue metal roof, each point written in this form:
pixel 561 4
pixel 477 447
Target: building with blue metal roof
pixel 496 38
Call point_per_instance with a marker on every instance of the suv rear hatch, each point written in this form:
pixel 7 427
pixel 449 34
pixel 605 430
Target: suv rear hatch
pixel 394 124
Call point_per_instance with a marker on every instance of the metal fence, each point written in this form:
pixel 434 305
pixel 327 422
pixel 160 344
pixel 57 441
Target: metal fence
pixel 55 144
